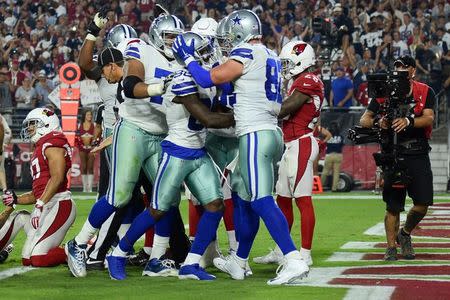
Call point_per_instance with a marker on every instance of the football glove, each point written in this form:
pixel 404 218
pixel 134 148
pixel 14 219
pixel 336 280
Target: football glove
pixel 168 80
pixel 9 198
pixel 36 214
pixel 97 24
pixel 183 51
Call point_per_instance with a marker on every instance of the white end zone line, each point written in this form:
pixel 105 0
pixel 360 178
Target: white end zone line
pixel 371 245
pixel 358 256
pixel 14 271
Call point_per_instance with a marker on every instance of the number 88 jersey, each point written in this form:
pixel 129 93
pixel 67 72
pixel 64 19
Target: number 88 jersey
pixel 184 129
pixel 258 89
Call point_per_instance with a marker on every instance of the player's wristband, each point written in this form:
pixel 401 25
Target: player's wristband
pixel 410 121
pixel 155 89
pixel 91 37
pixel 39 202
pixel 201 76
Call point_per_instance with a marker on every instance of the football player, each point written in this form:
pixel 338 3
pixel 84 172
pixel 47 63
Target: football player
pixel 140 130
pixel 295 176
pixel 184 159
pixel 256 75
pixel 222 146
pixel 54 210
pixel 108 86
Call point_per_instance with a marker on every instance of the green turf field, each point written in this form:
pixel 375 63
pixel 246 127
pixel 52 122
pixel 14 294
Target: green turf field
pixel 337 221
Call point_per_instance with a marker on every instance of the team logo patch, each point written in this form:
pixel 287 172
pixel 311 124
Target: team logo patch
pixel 47 112
pixel 298 49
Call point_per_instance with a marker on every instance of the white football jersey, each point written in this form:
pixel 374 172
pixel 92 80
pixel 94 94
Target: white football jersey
pixel 108 93
pixel 184 129
pixel 149 113
pixel 258 89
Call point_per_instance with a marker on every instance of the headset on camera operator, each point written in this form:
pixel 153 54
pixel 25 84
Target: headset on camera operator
pixel 412 133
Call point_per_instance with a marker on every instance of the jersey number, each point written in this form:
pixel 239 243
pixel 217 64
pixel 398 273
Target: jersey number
pixel 159 73
pixel 35 169
pixel 193 123
pixel 273 80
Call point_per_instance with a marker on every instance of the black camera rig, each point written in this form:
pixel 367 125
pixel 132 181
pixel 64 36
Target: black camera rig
pixel 391 89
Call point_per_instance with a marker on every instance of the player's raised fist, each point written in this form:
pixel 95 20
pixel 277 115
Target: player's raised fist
pixel 99 21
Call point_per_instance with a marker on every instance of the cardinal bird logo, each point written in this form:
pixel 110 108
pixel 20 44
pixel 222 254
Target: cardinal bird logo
pixel 298 49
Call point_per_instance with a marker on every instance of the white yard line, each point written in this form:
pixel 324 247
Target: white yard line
pixel 14 271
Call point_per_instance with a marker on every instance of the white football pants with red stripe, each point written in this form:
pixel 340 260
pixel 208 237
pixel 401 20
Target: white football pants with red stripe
pixel 57 216
pixel 16 221
pixel 295 175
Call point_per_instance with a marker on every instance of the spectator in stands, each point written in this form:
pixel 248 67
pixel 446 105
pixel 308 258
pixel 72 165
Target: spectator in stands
pixel 399 46
pixel 15 75
pixel 26 95
pixel 341 94
pixel 406 30
pixel 333 158
pixel 367 59
pixel 199 12
pixel 43 88
pixel 424 56
pixel 6 102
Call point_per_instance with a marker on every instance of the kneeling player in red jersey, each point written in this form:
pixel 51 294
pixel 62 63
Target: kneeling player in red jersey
pixel 300 111
pixel 54 210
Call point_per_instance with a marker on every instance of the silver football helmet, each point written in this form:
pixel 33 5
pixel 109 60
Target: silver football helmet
pixel 204 52
pixel 242 26
pixel 222 37
pixel 163 32
pixel 118 33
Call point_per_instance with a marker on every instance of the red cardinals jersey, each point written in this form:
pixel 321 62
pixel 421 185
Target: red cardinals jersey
pixel 39 164
pixel 303 120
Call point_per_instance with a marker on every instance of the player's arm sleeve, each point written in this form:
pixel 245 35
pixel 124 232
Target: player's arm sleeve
pixel 183 85
pixel 242 55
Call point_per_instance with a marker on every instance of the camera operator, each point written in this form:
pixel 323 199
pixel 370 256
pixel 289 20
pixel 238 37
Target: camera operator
pixel 413 133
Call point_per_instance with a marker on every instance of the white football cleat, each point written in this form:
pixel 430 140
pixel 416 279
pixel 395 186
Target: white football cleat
pixel 248 270
pixel 210 254
pixel 290 271
pixel 275 256
pixel 230 265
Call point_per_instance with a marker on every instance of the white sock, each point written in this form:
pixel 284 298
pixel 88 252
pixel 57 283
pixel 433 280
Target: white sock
pixel 160 245
pixel 90 179
pixel 148 250
pixel 306 252
pixel 119 252
pixel 86 233
pixel 277 250
pixel 84 180
pixel 232 240
pixel 123 230
pixel 241 261
pixel 192 258
pixel 293 255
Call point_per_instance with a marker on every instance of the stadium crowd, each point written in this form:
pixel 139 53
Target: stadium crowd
pixel 38 37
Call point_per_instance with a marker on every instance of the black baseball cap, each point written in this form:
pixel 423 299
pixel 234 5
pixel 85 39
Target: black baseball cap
pixel 406 61
pixel 109 55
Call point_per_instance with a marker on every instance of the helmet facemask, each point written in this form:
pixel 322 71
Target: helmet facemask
pixel 30 130
pixel 168 37
pixel 207 54
pixel 286 66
